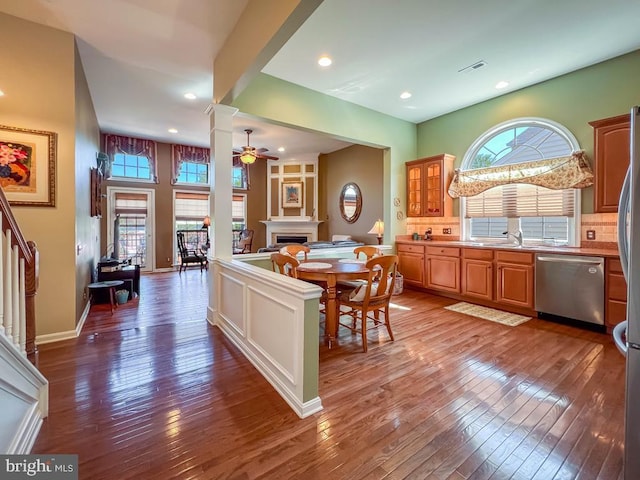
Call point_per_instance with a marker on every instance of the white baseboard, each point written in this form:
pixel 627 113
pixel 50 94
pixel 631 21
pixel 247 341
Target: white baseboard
pixel 55 337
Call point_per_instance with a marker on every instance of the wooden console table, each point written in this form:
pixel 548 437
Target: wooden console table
pixel 130 275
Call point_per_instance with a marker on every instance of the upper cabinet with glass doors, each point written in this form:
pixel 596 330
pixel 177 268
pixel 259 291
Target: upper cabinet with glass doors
pixel 427 183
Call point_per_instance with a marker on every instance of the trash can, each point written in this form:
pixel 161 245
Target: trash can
pixel 397 287
pixel 122 296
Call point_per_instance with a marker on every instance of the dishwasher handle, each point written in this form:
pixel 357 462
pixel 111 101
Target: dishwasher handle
pixel 561 259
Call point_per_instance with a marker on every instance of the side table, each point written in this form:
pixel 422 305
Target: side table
pixel 110 285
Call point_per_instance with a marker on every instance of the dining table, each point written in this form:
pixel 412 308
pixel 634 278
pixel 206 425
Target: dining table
pixel 330 271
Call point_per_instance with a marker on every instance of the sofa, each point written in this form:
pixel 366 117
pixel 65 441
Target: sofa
pixel 275 247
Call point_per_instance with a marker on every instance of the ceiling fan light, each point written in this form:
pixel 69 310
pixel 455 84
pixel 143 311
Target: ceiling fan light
pixel 247 157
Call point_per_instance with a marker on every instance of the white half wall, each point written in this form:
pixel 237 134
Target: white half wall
pixel 273 319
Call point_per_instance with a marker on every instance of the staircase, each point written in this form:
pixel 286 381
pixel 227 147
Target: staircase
pixel 24 392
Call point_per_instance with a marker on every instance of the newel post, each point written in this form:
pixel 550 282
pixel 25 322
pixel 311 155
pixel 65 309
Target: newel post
pixel 31 288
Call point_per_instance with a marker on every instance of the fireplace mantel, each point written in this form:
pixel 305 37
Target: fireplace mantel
pixel 291 227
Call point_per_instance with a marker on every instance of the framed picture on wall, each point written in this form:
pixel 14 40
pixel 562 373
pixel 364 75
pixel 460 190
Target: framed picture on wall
pixel 28 166
pixel 292 195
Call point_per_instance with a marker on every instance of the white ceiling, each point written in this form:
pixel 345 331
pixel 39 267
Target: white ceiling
pixel 141 56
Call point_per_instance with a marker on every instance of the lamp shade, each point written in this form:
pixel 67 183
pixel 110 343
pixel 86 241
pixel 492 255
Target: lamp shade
pixel 377 229
pixel 206 222
pixel 248 157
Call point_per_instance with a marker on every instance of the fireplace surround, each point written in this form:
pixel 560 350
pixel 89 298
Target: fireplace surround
pixel 303 230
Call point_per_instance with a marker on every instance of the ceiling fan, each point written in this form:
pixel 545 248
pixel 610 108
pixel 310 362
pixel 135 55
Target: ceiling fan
pixel 248 154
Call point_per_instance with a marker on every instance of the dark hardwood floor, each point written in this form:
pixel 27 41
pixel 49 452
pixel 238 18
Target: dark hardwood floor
pixel 154 392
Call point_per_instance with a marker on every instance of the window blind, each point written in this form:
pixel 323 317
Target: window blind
pixel 521 200
pixel 191 206
pixel 131 203
pixel 237 208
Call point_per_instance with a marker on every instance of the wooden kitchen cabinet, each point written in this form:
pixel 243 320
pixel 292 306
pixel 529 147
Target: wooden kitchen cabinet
pixel 443 268
pixel 411 264
pixel 611 160
pixel 514 278
pixel 616 294
pixel 477 273
pixel 427 183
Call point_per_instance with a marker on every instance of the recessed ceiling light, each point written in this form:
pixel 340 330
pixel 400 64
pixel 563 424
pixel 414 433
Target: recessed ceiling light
pixel 173 130
pixel 502 84
pixel 281 149
pixel 190 96
pixel 324 61
pixel 405 95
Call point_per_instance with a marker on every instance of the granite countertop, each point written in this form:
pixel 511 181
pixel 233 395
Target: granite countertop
pixel 605 251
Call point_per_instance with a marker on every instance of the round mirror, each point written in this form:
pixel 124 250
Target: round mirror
pixel 350 202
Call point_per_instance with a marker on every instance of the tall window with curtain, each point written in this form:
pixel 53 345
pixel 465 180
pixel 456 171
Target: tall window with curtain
pixel 190 165
pixel 522 175
pixel 131 158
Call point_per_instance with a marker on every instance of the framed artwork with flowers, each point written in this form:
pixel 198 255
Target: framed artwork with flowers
pixel 28 166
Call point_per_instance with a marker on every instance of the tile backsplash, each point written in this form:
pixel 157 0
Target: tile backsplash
pixel 603 224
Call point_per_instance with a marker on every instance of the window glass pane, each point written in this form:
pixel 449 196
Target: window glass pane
pixel 132 238
pixel 491 227
pixel 545 228
pixel 130 166
pixel 194 173
pixel 239 178
pixel 517 144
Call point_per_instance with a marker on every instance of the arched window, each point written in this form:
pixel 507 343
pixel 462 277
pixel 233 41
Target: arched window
pixel 541 214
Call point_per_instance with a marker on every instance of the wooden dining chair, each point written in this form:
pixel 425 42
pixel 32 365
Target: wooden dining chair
pixel 284 264
pixel 368 302
pixel 295 250
pixel 368 251
pixel 299 252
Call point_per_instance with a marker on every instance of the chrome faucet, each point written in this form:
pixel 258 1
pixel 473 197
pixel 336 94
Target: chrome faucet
pixel 517 236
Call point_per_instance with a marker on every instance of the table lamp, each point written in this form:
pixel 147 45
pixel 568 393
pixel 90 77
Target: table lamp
pixel 377 229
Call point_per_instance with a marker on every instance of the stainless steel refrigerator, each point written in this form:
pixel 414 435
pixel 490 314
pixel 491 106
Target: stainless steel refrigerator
pixel 627 334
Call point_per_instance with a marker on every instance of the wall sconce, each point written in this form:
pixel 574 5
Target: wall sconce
pixel 377 229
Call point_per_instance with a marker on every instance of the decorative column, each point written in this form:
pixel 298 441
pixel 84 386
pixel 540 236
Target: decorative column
pixel 221 234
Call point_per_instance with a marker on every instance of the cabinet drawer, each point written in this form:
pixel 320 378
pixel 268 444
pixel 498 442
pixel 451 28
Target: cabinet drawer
pixel 616 312
pixel 443 251
pixel 617 287
pixel 514 257
pixel 404 247
pixel 614 265
pixel 477 253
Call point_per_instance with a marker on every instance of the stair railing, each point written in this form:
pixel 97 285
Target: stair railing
pixel 18 283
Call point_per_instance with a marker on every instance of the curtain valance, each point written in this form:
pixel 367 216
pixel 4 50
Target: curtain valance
pixel 133 146
pixel 554 173
pixel 184 153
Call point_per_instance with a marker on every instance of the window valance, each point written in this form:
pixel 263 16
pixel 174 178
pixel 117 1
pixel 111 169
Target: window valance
pixel 133 146
pixel 554 173
pixel 184 153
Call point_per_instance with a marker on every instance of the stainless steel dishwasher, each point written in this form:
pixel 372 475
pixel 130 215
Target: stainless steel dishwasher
pixel 570 286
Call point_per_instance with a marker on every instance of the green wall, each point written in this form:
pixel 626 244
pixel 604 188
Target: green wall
pixel 604 90
pixel 272 99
